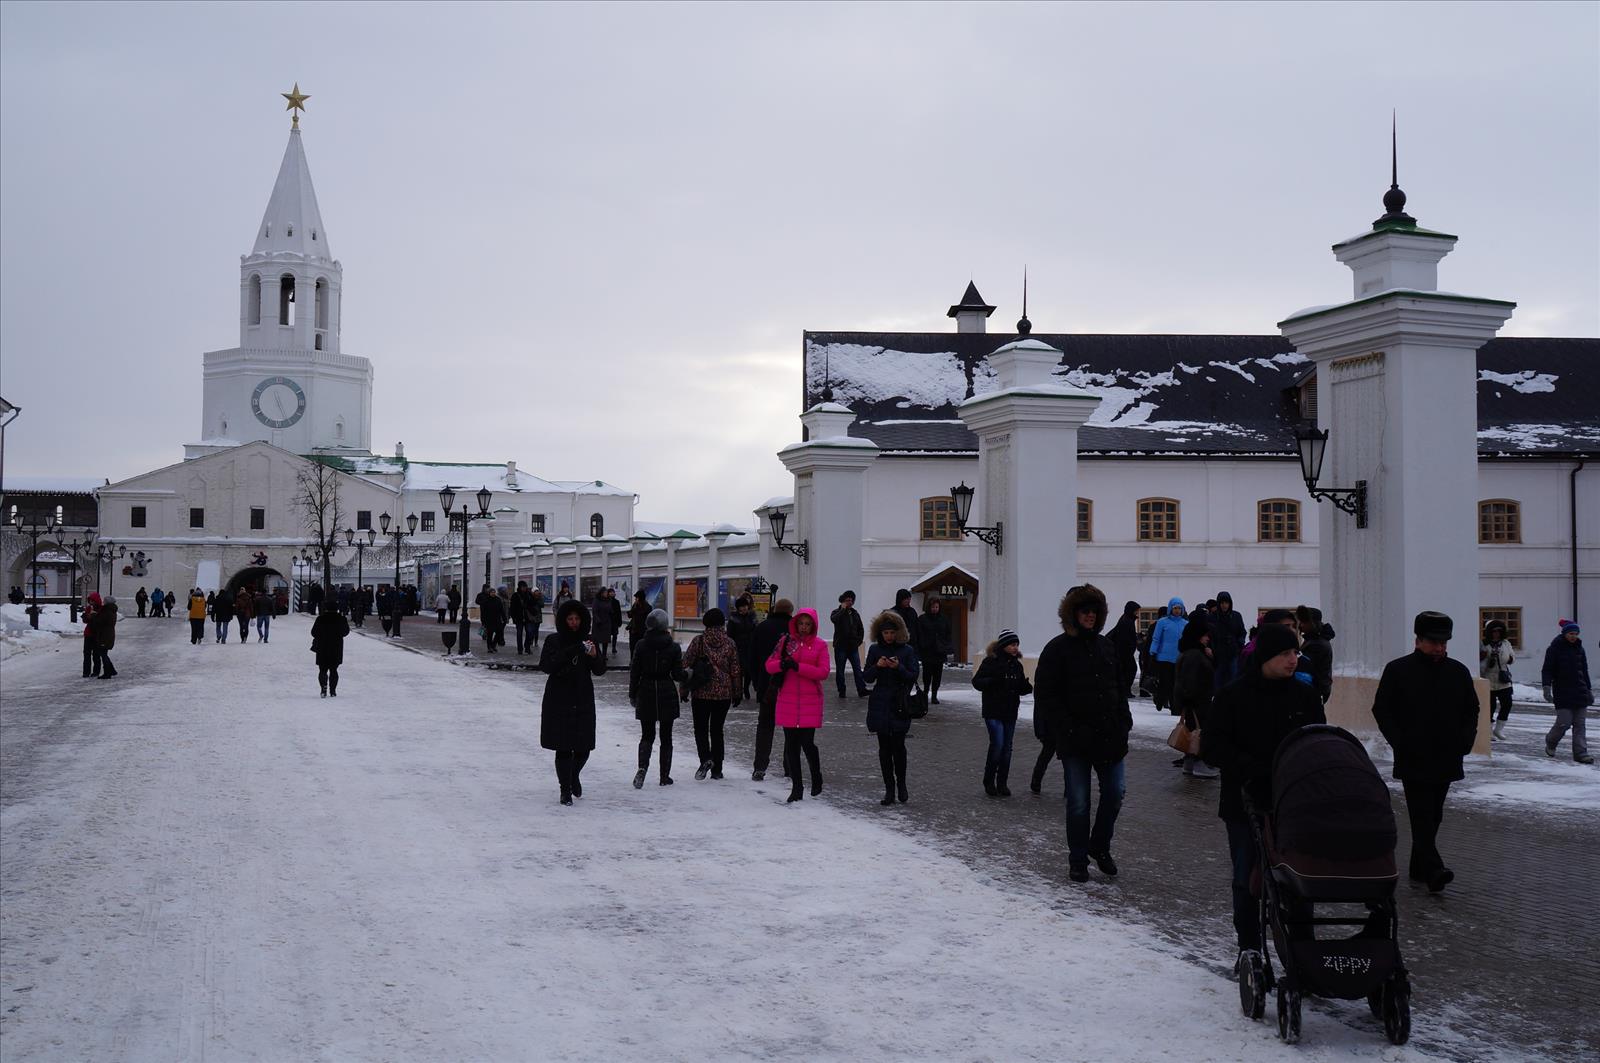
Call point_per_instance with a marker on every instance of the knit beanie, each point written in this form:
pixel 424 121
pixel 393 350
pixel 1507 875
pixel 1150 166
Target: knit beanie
pixel 1007 638
pixel 657 620
pixel 1569 627
pixel 1273 639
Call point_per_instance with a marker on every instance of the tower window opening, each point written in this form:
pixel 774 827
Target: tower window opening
pixel 253 315
pixel 286 299
pixel 289 230
pixel 313 234
pixel 319 341
pixel 322 303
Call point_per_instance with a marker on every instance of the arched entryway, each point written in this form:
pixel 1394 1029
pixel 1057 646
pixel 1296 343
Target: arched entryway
pixel 258 578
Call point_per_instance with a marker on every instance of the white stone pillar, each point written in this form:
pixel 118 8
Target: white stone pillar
pixel 714 539
pixel 1397 393
pixel 671 593
pixel 634 543
pixel 1028 485
pixel 829 486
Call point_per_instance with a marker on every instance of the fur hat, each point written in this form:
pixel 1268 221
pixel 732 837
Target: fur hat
pixel 1081 597
pixel 1432 625
pixel 1198 627
pixel 714 618
pixel 847 594
pixel 885 620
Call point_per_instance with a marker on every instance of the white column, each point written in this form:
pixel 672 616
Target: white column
pixel 1028 484
pixel 605 563
pixel 633 552
pixel 714 540
pixel 829 486
pixel 672 576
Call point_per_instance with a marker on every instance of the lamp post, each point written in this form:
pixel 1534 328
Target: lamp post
pixel 396 603
pixel 961 498
pixel 107 552
pixel 322 553
pixel 464 519
pixel 75 545
pixel 780 520
pixel 1313 446
pixel 361 552
pixel 33 529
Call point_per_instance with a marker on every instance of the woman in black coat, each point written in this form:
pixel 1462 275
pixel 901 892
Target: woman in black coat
pixel 1194 683
pixel 933 645
pixel 566 715
pixel 654 673
pixel 891 671
pixel 327 642
pixel 1003 682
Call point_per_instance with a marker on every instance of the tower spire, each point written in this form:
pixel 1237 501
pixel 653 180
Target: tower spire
pixel 1024 326
pixel 1394 200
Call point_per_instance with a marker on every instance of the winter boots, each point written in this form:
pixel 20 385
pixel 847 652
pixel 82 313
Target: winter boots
pixel 638 779
pixel 1499 729
pixel 702 771
pixel 988 783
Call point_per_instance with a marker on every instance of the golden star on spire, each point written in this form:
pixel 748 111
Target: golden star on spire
pixel 297 103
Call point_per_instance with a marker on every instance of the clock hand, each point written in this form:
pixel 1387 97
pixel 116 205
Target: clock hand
pixel 277 400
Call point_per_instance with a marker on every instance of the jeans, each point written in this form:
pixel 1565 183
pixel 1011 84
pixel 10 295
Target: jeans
pixel 523 642
pixel 1425 807
pixel 91 658
pixel 647 739
pixel 1242 855
pixel 244 629
pixel 998 764
pixel 1565 718
pixel 1501 698
pixel 263 626
pixel 222 630
pixel 932 674
pixel 1081 841
pixel 850 655
pixel 709 716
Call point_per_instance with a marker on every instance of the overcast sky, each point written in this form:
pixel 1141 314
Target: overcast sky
pixel 588 238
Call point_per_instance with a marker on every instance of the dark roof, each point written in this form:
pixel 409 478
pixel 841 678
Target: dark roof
pixel 970 300
pixel 1182 394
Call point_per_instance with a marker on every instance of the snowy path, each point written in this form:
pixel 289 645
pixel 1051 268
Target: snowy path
pixel 202 860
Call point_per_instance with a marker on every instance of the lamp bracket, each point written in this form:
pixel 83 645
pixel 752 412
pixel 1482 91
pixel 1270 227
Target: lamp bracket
pixel 994 536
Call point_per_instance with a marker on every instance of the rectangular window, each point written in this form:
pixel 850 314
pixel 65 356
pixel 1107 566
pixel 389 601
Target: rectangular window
pixel 363 519
pixel 1085 520
pixel 939 518
pixel 536 522
pixel 1499 521
pixel 427 520
pixel 1510 616
pixel 1278 520
pixel 258 518
pixel 197 517
pixel 1146 618
pixel 137 517
pixel 1158 520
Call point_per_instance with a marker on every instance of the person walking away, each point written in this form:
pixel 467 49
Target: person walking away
pixel 91 655
pixel 616 616
pixel 1075 685
pixel 1494 666
pixel 1125 638
pixel 1193 685
pixel 103 626
pixel 566 713
pixel 1316 646
pixel 222 613
pixel 768 634
pixel 1247 720
pixel 654 673
pixel 848 634
pixel 521 609
pixel 934 644
pixel 892 669
pixel 141 599
pixel 263 606
pixel 441 605
pixel 1227 639
pixel 491 615
pixel 243 609
pixel 803 655
pixel 328 633
pixel 1566 686
pixel 638 613
pixel 1004 683
pixel 1164 650
pixel 712 662
pixel 1427 708
pixel 197 617
pixel 157 600
pixel 601 611
pixel 454 598
pixel 742 629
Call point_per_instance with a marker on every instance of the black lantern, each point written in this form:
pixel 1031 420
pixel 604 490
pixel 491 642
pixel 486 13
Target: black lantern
pixel 780 521
pixel 411 523
pixel 447 499
pixel 463 519
pixel 485 496
pixel 1312 444
pixel 961 500
pixel 383 522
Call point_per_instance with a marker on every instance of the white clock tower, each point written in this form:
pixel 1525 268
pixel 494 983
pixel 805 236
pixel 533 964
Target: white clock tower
pixel 287 382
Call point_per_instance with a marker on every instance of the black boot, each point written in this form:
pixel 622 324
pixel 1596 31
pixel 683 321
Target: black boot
pixel 815 759
pixel 988 783
pixel 888 795
pixel 1000 783
pixel 796 794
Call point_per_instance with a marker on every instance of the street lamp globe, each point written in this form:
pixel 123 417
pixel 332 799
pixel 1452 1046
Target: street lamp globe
pixel 961 496
pixel 411 523
pixel 485 496
pixel 383 522
pixel 780 521
pixel 447 499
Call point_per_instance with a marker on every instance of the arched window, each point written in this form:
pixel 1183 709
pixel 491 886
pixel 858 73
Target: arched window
pixel 1499 521
pixel 1278 520
pixel 338 429
pixel 597 525
pixel 322 302
pixel 286 299
pixel 939 518
pixel 1158 520
pixel 1085 520
pixel 253 313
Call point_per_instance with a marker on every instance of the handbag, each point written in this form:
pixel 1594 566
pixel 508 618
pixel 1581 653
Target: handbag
pixel 1184 739
pixel 912 704
pixel 769 693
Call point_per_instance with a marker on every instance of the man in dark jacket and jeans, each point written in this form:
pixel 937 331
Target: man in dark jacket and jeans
pixel 768 634
pixel 1077 688
pixel 1427 708
pixel 848 634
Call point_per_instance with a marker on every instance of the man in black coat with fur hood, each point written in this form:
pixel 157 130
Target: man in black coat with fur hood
pixel 1077 686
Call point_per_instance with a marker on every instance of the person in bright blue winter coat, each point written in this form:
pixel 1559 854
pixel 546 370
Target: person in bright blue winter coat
pixel 1164 648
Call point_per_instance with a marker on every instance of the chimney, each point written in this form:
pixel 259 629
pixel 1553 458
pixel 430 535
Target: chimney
pixel 399 450
pixel 971 313
pixel 511 474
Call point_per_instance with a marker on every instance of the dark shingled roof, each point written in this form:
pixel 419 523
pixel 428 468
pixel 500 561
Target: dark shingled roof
pixel 1210 395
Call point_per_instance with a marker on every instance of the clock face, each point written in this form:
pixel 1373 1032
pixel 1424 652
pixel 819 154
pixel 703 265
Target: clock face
pixel 278 402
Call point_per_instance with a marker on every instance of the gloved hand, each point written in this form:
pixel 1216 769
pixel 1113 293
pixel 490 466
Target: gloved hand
pixel 1549 695
pixel 791 665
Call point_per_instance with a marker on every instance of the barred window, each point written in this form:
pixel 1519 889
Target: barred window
pixel 1278 520
pixel 536 523
pixel 363 519
pixel 1085 520
pixel 427 520
pixel 1158 520
pixel 939 518
pixel 1510 616
pixel 1499 521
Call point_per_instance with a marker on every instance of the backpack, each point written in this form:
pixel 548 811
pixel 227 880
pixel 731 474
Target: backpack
pixel 701 673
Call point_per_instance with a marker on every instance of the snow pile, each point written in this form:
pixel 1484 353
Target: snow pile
pixel 1539 436
pixel 1526 382
pixel 18 636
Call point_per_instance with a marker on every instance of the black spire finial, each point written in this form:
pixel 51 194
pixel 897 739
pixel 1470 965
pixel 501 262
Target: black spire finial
pixel 1024 326
pixel 1394 200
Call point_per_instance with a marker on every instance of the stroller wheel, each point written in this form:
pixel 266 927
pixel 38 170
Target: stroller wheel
pixel 1397 1009
pixel 1252 984
pixel 1288 1014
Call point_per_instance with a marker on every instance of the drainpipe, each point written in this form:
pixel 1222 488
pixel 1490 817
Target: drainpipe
pixel 1572 508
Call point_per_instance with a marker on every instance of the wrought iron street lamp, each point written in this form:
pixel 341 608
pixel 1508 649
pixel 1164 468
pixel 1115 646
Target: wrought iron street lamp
pixel 107 552
pixel 34 530
pixel 361 550
pixel 1313 446
pixel 396 600
pixel 464 519
pixel 780 521
pixel 76 545
pixel 961 499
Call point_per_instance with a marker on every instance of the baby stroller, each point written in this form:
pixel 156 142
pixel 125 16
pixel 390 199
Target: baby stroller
pixel 1328 840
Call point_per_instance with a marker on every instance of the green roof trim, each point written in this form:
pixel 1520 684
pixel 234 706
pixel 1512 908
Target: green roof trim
pixel 1398 293
pixel 1396 227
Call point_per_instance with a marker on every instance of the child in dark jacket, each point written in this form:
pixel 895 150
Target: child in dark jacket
pixel 1003 682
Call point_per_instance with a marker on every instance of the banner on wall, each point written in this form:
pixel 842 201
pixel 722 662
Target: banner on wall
pixel 588 588
pixel 655 591
pixel 547 587
pixel 728 591
pixel 689 598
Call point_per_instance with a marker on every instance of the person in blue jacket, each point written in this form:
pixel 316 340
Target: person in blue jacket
pixel 1164 648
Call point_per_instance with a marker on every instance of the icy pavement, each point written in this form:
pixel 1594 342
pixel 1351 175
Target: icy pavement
pixel 203 860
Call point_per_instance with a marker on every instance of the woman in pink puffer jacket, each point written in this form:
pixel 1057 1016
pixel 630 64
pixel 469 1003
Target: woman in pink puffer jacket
pixel 802 660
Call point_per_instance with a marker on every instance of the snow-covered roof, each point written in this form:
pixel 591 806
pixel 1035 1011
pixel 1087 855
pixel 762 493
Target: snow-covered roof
pixel 942 567
pixel 592 487
pixel 47 482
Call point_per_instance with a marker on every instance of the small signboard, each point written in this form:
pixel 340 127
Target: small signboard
pixel 689 598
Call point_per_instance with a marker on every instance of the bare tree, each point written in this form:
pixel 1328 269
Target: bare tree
pixel 317 498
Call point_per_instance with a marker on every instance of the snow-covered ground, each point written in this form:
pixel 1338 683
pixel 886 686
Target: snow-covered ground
pixel 17 635
pixel 204 860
